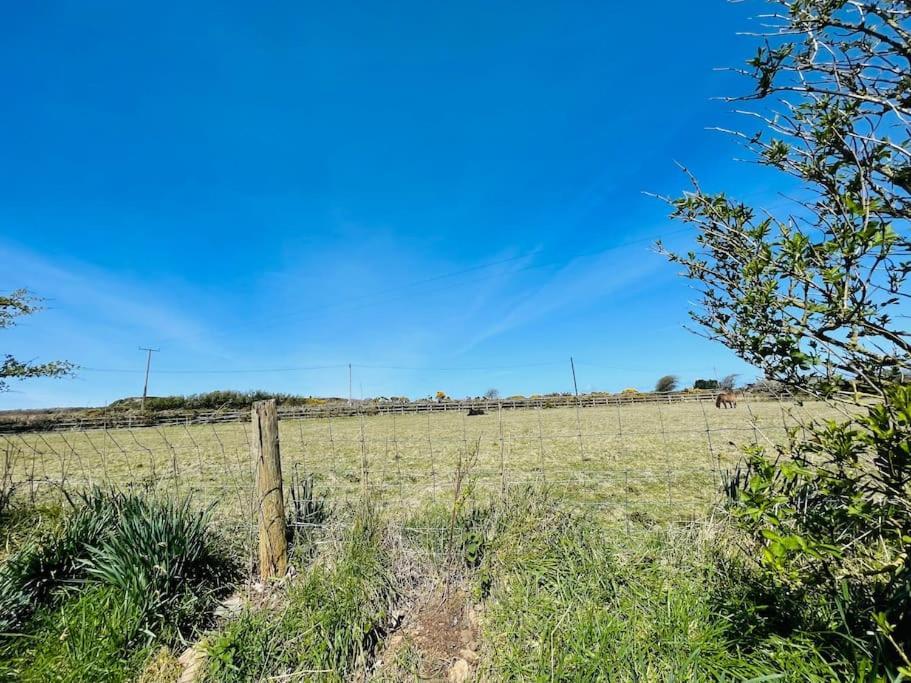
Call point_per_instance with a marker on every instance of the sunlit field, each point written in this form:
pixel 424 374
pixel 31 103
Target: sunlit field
pixel 644 462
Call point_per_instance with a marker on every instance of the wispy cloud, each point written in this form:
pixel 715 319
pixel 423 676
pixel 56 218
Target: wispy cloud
pixel 98 304
pixel 580 282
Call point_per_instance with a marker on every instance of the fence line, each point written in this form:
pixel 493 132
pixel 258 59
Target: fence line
pixel 118 420
pixel 659 464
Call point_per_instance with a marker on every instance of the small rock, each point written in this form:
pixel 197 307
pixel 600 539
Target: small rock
pixel 230 607
pixel 459 671
pixel 188 655
pixel 193 660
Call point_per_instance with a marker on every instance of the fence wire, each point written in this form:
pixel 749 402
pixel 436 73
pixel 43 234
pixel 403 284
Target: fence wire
pixel 637 464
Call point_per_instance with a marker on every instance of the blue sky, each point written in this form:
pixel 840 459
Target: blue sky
pixel 446 195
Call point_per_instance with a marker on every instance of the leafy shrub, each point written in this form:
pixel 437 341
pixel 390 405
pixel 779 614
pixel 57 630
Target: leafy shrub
pixel 215 400
pixel 667 383
pixel 831 516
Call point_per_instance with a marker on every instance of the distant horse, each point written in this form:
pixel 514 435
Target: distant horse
pixel 475 411
pixel 728 399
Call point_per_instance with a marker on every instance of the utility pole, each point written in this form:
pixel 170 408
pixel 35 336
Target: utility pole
pixel 575 386
pixel 145 386
pixel 349 385
pixel 578 417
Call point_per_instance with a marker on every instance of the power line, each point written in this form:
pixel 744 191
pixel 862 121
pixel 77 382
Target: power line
pixel 457 369
pixel 214 372
pixel 369 366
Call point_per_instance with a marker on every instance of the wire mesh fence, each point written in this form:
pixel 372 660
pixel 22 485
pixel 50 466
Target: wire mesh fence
pixel 637 463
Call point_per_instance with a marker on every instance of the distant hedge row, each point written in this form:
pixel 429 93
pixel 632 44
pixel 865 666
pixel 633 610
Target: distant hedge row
pixel 214 400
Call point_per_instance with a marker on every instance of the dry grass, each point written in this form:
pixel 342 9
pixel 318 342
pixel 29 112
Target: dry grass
pixel 645 462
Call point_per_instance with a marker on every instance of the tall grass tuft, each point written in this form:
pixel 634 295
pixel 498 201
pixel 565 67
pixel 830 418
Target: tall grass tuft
pixel 308 510
pixel 29 576
pixel 88 637
pixel 334 615
pixel 122 571
pixel 161 556
pixel 570 599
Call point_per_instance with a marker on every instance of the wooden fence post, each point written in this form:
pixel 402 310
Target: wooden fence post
pixel 273 543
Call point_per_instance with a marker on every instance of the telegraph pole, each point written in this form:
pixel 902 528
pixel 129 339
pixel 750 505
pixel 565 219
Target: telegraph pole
pixel 349 384
pixel 575 386
pixel 578 417
pixel 145 386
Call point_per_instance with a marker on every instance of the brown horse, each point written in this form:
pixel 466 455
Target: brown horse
pixel 728 399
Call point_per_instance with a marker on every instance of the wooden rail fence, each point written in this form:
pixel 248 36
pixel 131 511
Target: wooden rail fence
pixel 119 420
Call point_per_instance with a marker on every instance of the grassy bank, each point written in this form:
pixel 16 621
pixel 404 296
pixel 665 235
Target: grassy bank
pixel 542 593
pixel 94 594
pixel 521 588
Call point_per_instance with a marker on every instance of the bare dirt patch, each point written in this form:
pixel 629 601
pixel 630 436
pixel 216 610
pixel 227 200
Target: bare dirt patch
pixel 437 640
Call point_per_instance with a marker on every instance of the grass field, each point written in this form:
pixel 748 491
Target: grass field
pixel 539 584
pixel 646 462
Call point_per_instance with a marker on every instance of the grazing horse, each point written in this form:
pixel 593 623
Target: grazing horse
pixel 728 399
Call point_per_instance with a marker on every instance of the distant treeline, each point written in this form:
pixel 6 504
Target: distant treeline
pixel 215 400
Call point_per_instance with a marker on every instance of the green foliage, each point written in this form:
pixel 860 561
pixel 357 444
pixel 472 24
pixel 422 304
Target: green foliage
pixel 707 384
pixel 86 638
pixel 308 510
pixel 466 536
pixel 667 383
pixel 569 600
pixel 216 400
pixel 29 576
pixel 336 613
pixel 14 305
pixel 832 519
pixel 812 296
pixel 815 293
pixel 161 557
pixel 120 572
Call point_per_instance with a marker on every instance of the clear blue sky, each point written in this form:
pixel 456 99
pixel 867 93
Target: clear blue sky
pixel 447 195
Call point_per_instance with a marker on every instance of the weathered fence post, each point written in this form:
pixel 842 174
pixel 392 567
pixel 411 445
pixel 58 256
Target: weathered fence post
pixel 273 543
